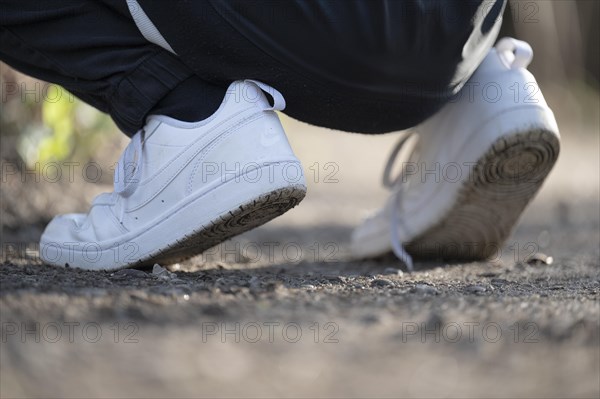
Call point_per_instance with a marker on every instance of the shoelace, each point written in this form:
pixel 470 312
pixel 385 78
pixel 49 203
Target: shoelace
pixel 397 196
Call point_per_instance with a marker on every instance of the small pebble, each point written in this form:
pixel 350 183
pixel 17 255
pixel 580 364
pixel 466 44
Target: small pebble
pixel 393 271
pixel 334 279
pixel 476 289
pixel 308 287
pixel 488 274
pixel 129 273
pixel 162 273
pixel 254 282
pixel 158 269
pixel 381 282
pixel 499 282
pixel 425 289
pixel 539 259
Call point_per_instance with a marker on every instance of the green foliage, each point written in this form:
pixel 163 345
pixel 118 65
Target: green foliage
pixel 59 116
pixel 70 130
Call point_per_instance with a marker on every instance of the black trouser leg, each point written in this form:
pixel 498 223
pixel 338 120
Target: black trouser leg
pixel 94 50
pixel 355 65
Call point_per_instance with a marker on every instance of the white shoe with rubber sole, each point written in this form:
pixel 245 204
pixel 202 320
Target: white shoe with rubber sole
pixel 182 188
pixel 476 165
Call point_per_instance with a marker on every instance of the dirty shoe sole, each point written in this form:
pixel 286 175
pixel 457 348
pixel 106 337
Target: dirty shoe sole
pixel 244 218
pixel 489 204
pixel 197 223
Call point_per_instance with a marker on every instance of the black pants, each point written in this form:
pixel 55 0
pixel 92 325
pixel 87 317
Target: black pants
pixel 362 66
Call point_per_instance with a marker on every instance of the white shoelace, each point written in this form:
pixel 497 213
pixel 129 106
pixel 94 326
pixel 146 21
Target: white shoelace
pixel 397 196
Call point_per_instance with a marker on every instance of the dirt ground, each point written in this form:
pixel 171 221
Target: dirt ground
pixel 283 311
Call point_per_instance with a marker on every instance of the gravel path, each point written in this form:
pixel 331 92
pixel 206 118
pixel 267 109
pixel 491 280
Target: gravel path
pixel 284 312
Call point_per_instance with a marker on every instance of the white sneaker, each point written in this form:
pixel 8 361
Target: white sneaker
pixel 476 165
pixel 181 188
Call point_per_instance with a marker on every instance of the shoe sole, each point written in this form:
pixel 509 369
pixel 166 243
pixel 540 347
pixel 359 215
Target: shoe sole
pixel 489 204
pixel 246 217
pixel 191 227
